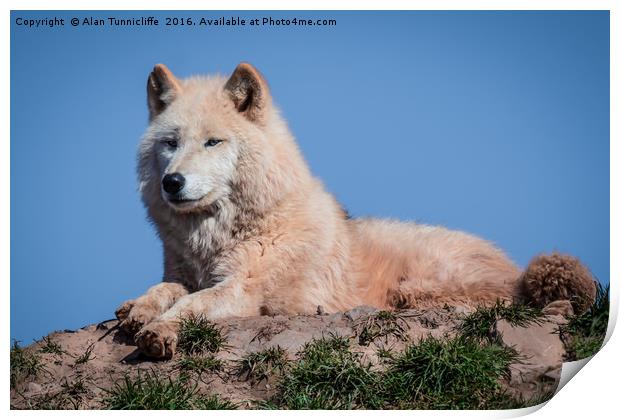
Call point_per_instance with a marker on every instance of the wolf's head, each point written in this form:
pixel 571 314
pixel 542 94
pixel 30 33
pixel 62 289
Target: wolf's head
pixel 210 138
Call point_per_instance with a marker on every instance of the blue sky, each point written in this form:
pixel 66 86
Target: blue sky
pixel 495 123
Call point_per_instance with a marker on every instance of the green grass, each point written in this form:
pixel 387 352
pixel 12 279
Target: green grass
pixel 148 391
pixel 86 356
pixel 381 325
pixel 328 375
pixel 197 335
pixel 446 373
pixel 75 388
pixel 50 347
pixel 214 402
pixel 584 334
pixel 481 324
pixel 465 371
pixel 260 366
pixel 199 364
pixel 24 364
pixel 582 347
pixel 451 373
pixel 384 354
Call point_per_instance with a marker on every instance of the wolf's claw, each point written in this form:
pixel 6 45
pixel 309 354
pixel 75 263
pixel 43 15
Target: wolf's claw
pixel 158 339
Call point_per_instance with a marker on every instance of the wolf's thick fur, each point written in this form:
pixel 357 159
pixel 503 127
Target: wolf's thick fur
pixel 253 232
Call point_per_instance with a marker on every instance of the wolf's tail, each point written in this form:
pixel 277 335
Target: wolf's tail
pixel 554 277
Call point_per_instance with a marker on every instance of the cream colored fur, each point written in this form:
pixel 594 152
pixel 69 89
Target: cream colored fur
pixel 264 236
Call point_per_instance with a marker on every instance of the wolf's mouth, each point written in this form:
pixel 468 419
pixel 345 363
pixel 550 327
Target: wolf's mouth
pixel 181 200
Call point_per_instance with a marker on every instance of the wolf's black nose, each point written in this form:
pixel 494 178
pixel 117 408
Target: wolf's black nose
pixel 173 183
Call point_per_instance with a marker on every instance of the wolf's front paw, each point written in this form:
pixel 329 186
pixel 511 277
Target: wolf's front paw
pixel 123 311
pixel 138 317
pixel 158 339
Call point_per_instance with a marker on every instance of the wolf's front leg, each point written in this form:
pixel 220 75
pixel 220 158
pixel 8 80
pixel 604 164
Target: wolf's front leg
pixel 229 298
pixel 136 313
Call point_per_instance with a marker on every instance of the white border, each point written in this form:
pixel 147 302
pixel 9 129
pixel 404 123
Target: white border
pixel 313 5
pixel 592 395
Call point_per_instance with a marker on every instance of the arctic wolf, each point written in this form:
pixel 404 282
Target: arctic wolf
pixel 248 230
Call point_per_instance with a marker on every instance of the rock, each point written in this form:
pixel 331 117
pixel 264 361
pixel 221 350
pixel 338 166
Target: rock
pixel 359 312
pixel 34 388
pixel 559 307
pixel 541 344
pixel 464 310
pixel 541 352
pixel 554 374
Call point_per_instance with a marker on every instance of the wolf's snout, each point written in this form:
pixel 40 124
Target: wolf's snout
pixel 173 183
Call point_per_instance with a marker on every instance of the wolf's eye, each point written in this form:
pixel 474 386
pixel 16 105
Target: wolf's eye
pixel 212 142
pixel 172 144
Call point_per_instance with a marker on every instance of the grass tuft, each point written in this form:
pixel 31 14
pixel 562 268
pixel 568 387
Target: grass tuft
pixel 259 366
pixel 24 364
pixel 453 373
pixel 384 354
pixel 75 388
pixel 214 402
pixel 150 392
pixel 481 324
pixel 199 364
pixel 86 356
pixel 50 347
pixel 328 376
pixel 584 334
pixel 197 335
pixel 381 325
pixel 447 373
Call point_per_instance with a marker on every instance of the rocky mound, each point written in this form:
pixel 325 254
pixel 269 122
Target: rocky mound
pixel 259 362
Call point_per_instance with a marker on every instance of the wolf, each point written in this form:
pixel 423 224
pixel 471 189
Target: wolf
pixel 247 229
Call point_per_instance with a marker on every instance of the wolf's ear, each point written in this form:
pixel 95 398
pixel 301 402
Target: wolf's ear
pixel 161 88
pixel 249 91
